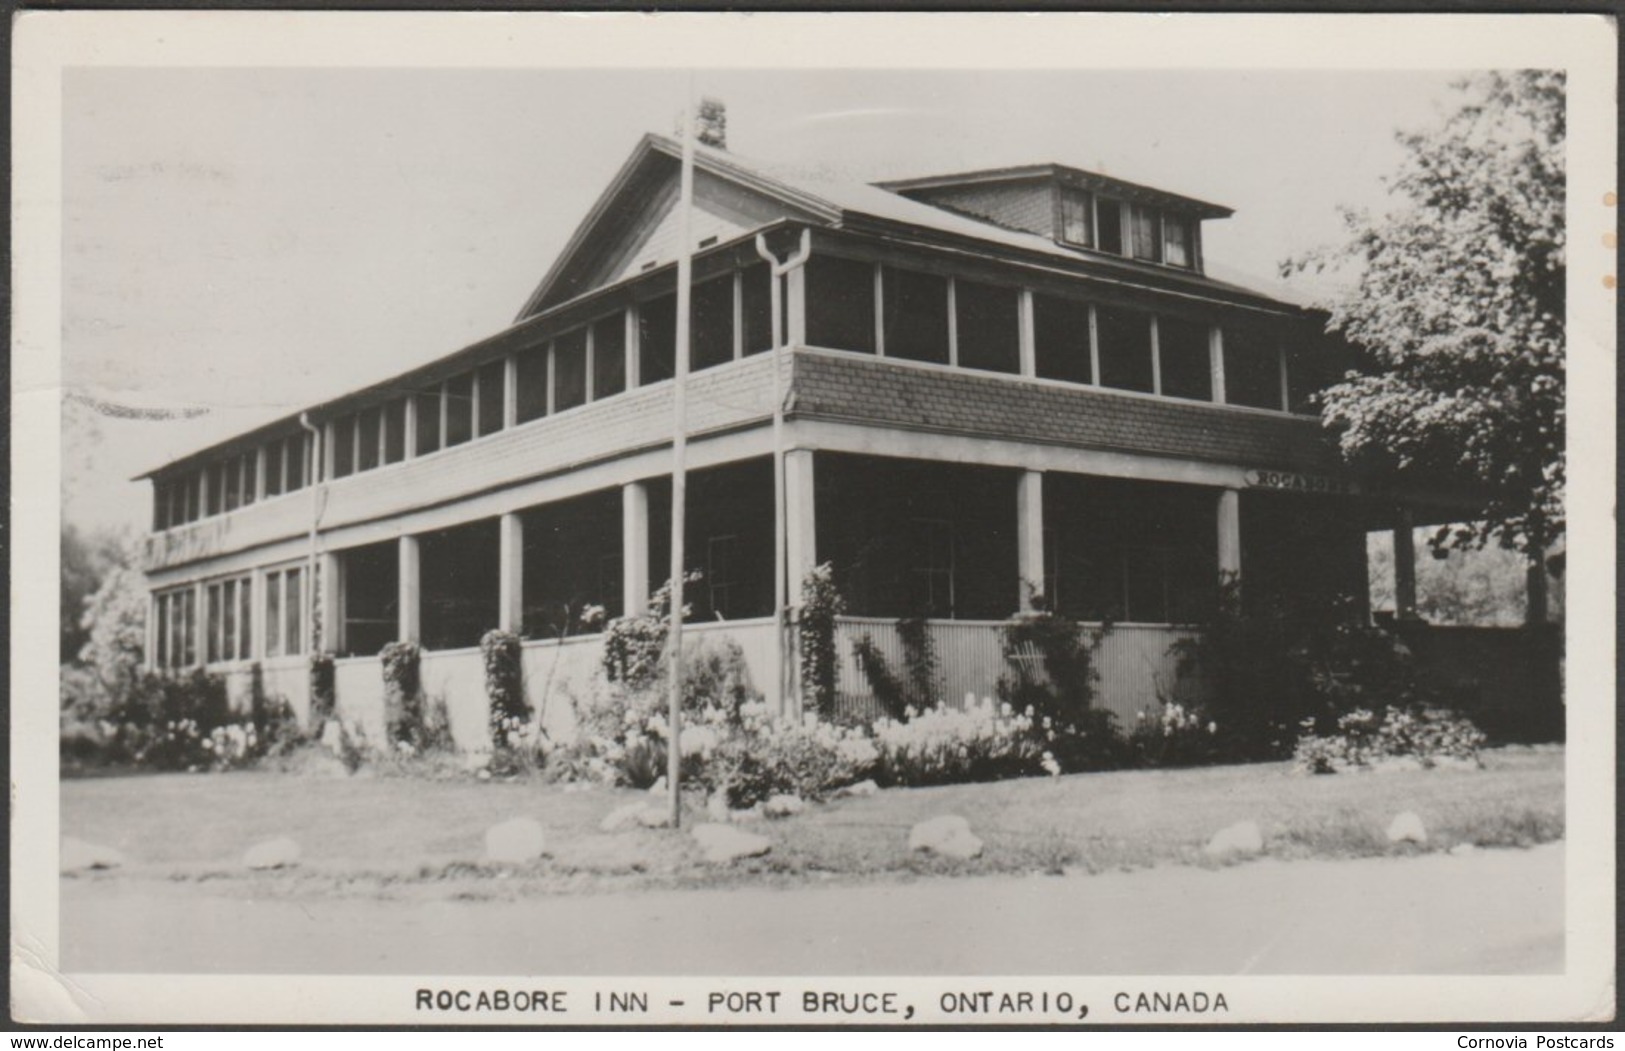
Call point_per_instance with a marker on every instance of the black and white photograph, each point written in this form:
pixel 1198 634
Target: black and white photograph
pixel 813 519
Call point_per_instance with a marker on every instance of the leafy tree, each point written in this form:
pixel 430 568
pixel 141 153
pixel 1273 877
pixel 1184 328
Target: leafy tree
pixel 86 558
pixel 1457 296
pixel 115 623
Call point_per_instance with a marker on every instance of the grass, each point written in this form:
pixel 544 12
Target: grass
pixel 405 836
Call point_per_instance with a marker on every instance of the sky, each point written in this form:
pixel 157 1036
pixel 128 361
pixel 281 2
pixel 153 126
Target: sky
pixel 241 243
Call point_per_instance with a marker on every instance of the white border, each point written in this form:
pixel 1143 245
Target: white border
pixel 46 43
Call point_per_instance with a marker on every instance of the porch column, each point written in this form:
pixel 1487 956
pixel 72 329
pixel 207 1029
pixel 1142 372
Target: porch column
pixel 1404 533
pixel 1229 535
pixel 256 615
pixel 796 300
pixel 1030 536
pixel 200 629
pixel 511 568
pixel 330 608
pixel 409 594
pixel 634 549
pixel 800 524
pixel 149 655
pixel 1537 610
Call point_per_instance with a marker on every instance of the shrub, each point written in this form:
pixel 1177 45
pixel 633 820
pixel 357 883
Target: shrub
pixel 1176 735
pixel 323 688
pixel 504 685
pixel 1270 666
pixel 887 688
pixel 633 646
pixel 1050 661
pixel 167 721
pixel 821 603
pixel 1363 739
pixel 761 758
pixel 941 745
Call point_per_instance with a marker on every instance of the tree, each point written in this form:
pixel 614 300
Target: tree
pixel 115 619
pixel 86 559
pixel 1458 300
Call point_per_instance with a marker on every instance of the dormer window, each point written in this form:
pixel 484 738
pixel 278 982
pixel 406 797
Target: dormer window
pixel 1176 240
pixel 1077 217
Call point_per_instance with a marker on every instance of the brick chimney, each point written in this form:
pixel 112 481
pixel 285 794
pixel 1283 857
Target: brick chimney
pixel 711 123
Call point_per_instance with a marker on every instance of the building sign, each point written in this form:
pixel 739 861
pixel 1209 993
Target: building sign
pixel 1291 481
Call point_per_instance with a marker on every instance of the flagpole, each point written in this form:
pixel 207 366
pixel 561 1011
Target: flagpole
pixel 679 452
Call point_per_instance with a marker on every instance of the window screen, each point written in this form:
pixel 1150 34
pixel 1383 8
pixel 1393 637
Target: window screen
pixel 608 356
pixel 1110 236
pixel 989 327
pixel 570 370
pixel 1061 339
pixel 343 446
pixel 711 323
pixel 1125 349
pixel 657 339
pixel 916 315
pixel 1077 226
pixel 370 421
pixel 841 304
pixel 1146 225
pixel 531 383
pixel 756 308
pixel 493 396
pixel 1182 346
pixel 1252 372
pixel 459 409
pixel 428 422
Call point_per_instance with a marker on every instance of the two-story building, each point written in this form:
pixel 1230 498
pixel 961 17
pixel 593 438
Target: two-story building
pixel 989 383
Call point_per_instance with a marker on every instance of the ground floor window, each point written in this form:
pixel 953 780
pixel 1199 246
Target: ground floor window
pixel 284 612
pixel 459 584
pixel 230 604
pixel 176 635
pixel 370 599
pixel 572 562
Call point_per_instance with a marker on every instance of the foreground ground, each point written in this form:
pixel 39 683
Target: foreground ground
pixel 1095 872
pixel 388 836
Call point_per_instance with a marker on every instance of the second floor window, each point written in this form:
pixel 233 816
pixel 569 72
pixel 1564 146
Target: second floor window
pixel 1077 217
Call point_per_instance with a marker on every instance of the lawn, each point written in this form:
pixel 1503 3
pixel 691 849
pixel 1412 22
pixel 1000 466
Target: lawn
pixel 393 835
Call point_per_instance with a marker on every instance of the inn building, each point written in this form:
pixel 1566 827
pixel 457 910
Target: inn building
pixel 982 386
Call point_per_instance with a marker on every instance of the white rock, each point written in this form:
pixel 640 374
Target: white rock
pixel 1399 764
pixel 783 805
pixel 658 788
pixel 949 835
pixel 279 853
pixel 859 790
pixel 622 817
pixel 748 814
pixel 654 815
pixel 1242 838
pixel 333 736
pixel 1407 828
pixel 78 856
pixel 724 843
pixel 716 806
pixel 1463 849
pixel 516 841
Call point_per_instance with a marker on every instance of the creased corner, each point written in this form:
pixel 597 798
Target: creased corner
pixel 41 993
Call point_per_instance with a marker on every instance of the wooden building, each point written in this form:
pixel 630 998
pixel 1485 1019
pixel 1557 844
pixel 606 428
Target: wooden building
pixel 991 383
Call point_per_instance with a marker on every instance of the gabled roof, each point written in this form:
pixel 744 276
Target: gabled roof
pixel 839 203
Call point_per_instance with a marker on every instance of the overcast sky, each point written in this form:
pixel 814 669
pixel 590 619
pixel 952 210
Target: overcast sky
pixel 251 241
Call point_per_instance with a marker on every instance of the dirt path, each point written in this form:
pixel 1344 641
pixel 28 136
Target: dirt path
pixel 1488 912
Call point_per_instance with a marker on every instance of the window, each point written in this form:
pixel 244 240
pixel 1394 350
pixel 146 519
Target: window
pixel 233 483
pixel 608 356
pixel 756 308
pixel 933 569
pixel 177 629
pixel 250 478
pixel 1145 226
pixel 711 323
pixel 395 431
pixel 570 370
pixel 1077 220
pixel 841 304
pixel 1125 349
pixel 1061 339
pixel 216 486
pixel 229 603
pixel 722 572
pixel 295 453
pixel 989 326
pixel 657 339
pixel 493 396
pixel 1182 349
pixel 160 505
pixel 368 427
pixel 343 446
pixel 1110 233
pixel 916 307
pixel 1176 241
pixel 274 452
pixel 530 383
pixel 459 409
pixel 284 613
pixel 428 421
pixel 194 497
pixel 1252 368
